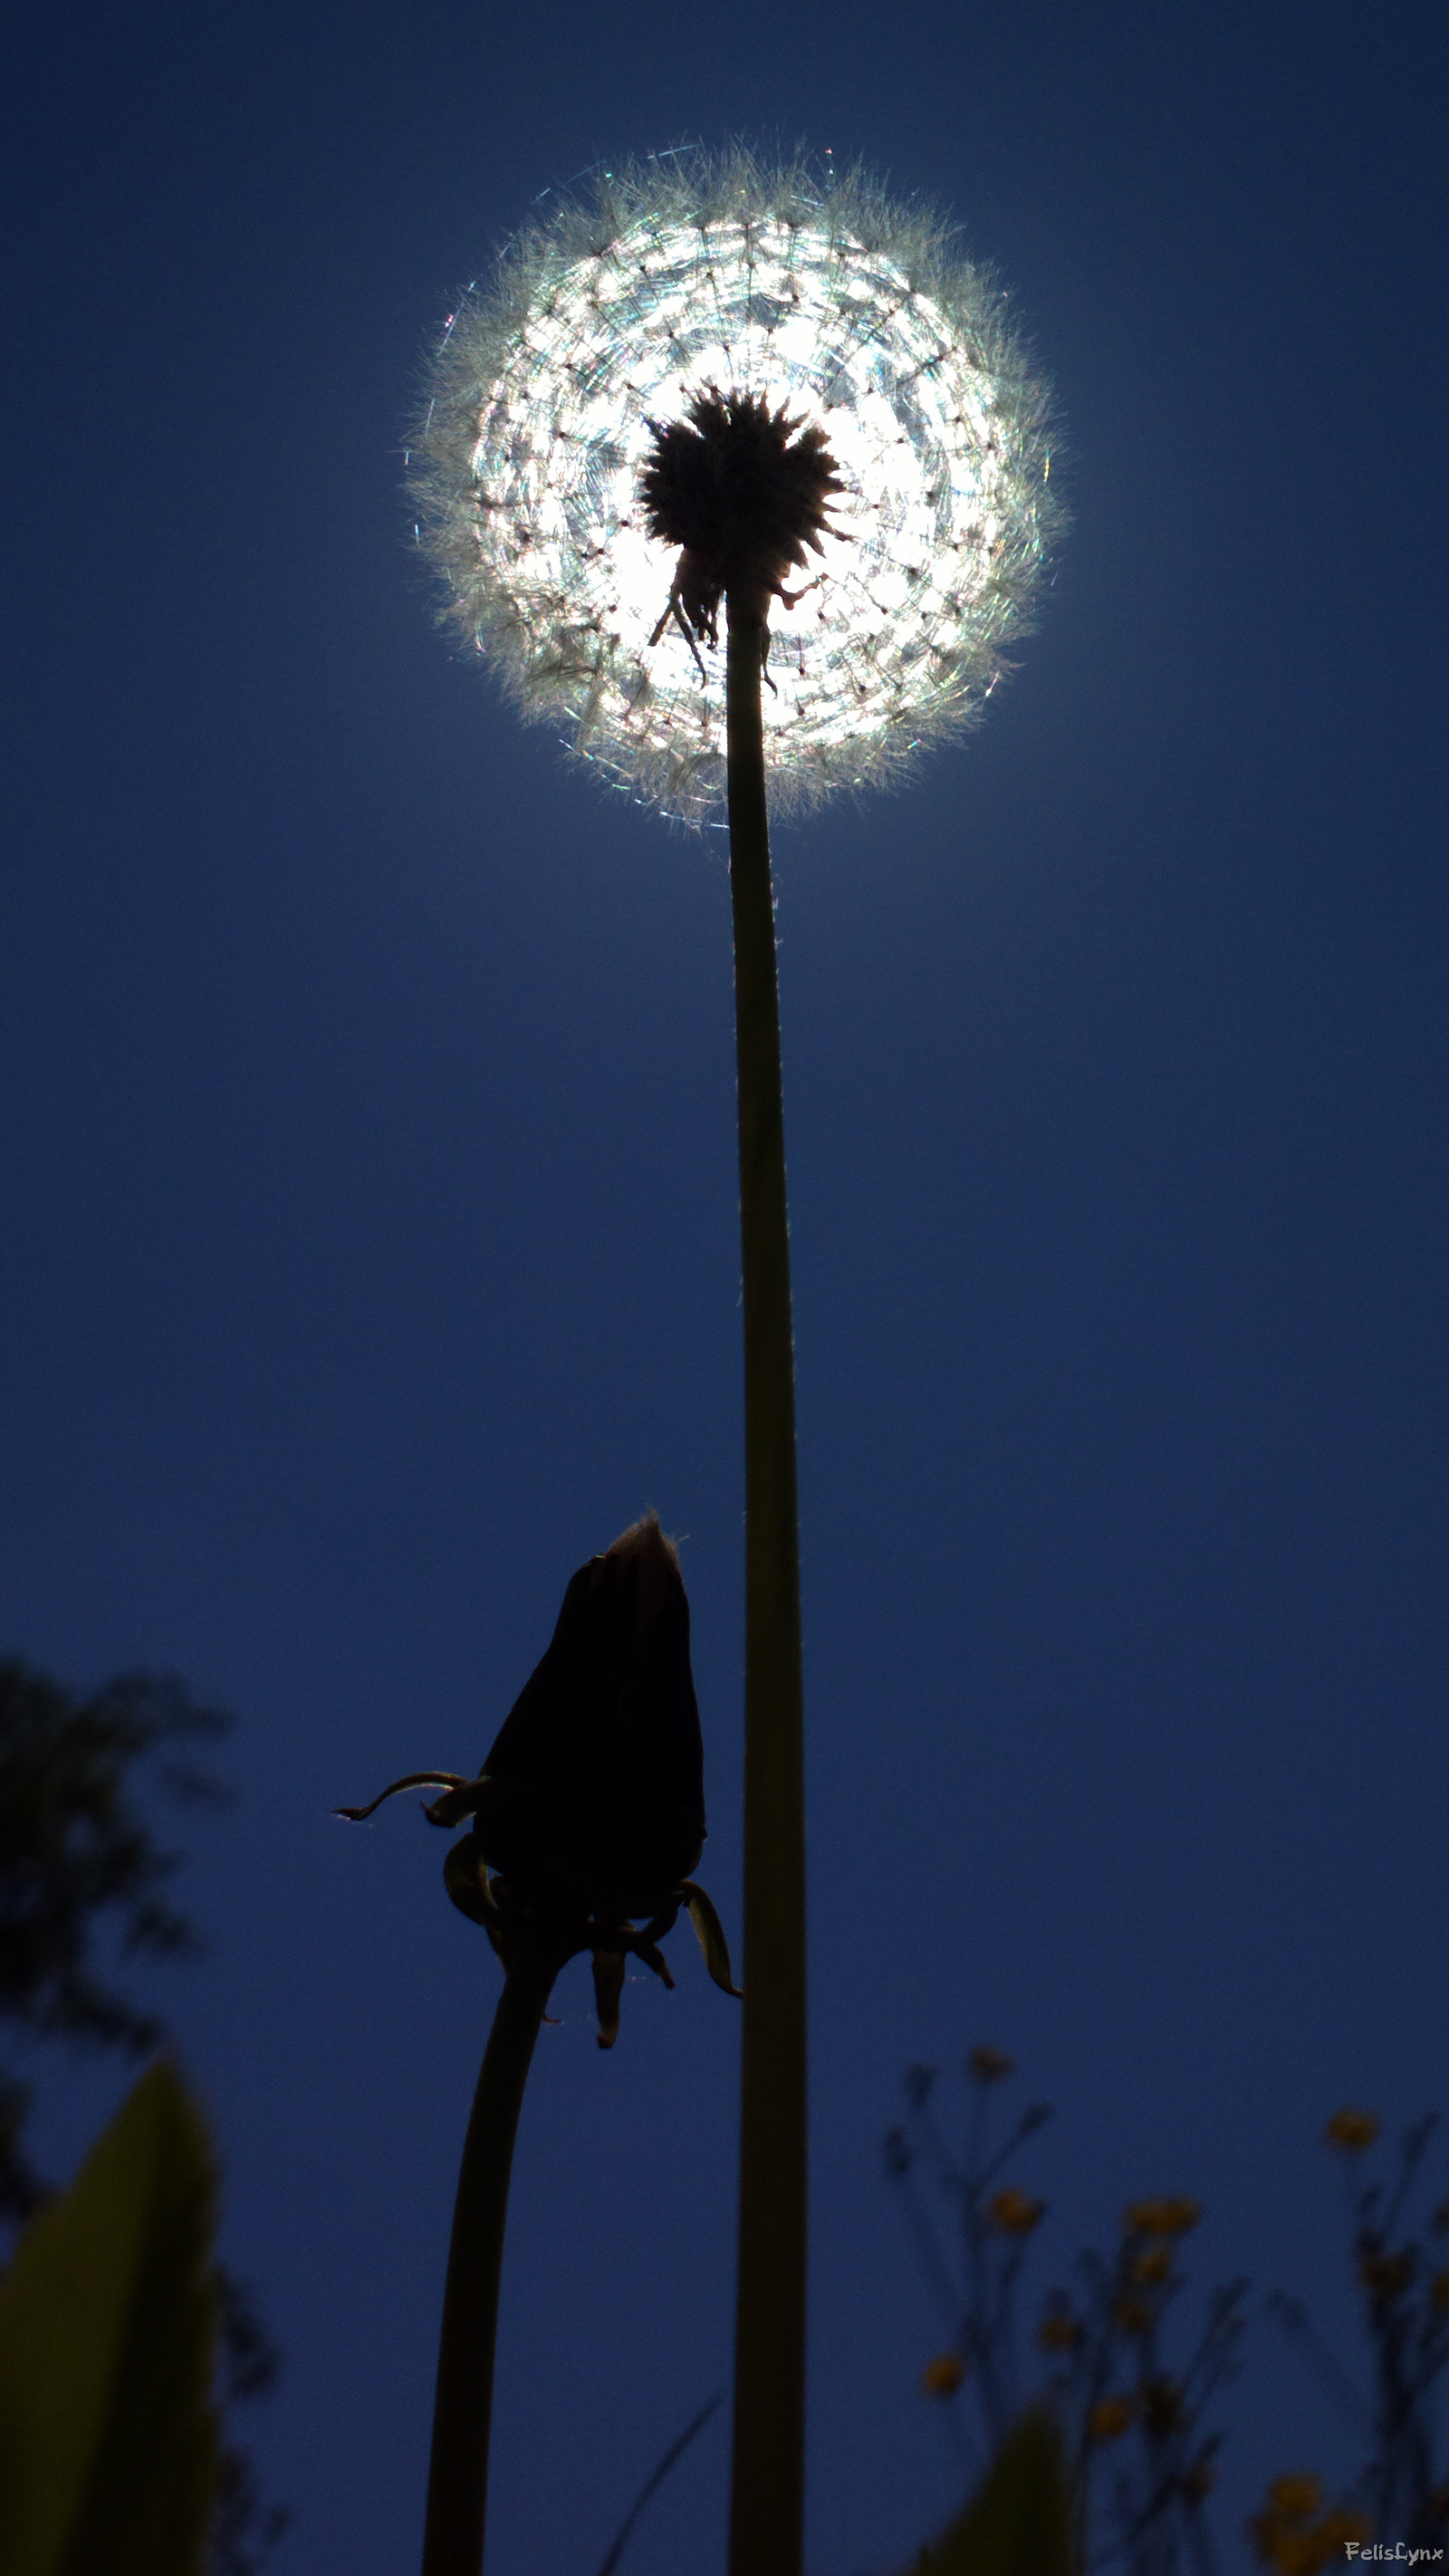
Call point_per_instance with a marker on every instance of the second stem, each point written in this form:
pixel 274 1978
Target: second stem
pixel 768 2478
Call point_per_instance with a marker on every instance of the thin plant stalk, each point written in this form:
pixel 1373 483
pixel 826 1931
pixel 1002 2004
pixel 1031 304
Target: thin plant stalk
pixel 768 2477
pixel 463 2406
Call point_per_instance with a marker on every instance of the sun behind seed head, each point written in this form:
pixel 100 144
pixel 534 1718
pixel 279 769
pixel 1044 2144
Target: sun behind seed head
pixel 781 294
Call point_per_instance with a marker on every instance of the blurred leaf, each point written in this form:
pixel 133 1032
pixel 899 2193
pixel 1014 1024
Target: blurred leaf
pixel 1019 2522
pixel 107 2322
pixel 75 1847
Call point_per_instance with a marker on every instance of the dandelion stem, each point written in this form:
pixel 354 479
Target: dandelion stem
pixel 458 2468
pixel 769 2427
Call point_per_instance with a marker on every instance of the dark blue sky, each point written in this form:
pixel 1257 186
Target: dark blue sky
pixel 369 1210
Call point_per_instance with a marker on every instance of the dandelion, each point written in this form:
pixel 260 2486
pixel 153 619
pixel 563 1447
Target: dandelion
pixel 1439 2291
pixel 702 278
pixel 1058 2332
pixel 724 386
pixel 1350 2133
pixel 943 2376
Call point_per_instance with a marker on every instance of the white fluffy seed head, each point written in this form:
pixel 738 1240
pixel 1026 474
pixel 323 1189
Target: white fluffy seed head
pixel 856 314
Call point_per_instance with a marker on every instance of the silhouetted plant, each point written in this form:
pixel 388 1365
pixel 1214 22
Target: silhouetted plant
pixel 588 1810
pixel 1131 2421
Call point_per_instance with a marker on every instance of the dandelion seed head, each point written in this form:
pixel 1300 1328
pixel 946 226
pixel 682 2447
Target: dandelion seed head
pixel 810 292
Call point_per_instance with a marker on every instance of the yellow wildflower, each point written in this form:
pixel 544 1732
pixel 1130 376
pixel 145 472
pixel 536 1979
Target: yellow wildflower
pixel 1110 2418
pixel 1386 2276
pixel 1153 2266
pixel 1015 2214
pixel 1297 2497
pixel 1286 2537
pixel 1161 2217
pixel 1057 2331
pixel 1439 2290
pixel 989 2066
pixel 1349 2132
pixel 943 2376
pixel 1134 2316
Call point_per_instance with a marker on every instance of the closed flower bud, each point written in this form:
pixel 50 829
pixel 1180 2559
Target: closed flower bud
pixel 596 1775
pixel 590 1806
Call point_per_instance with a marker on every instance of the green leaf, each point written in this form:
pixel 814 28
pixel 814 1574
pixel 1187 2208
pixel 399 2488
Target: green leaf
pixel 1019 2521
pixel 107 2322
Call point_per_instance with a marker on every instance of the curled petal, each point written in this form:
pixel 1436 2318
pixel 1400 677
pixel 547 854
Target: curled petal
pixel 465 1876
pixel 462 1798
pixel 410 1780
pixel 654 1959
pixel 608 1987
pixel 711 1937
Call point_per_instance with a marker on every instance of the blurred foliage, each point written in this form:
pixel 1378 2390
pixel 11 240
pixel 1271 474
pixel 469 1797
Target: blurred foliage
pixel 107 2328
pixel 82 1891
pixel 1403 2286
pixel 76 1850
pixel 1019 2522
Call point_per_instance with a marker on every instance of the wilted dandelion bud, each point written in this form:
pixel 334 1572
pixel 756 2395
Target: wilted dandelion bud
pixel 590 1806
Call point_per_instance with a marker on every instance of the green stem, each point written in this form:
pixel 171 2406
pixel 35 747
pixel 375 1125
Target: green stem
pixel 462 2408
pixel 767 2501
